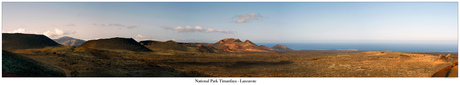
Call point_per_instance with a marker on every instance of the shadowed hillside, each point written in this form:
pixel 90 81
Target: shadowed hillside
pixel 17 65
pixel 69 41
pixel 168 45
pixel 115 44
pixel 14 41
pixel 203 47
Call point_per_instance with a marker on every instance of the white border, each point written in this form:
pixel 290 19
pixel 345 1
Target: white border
pixel 260 80
pixel 229 0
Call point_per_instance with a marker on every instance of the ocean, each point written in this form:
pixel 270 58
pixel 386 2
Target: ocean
pixel 371 46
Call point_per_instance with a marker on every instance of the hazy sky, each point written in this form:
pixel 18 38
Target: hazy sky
pixel 258 22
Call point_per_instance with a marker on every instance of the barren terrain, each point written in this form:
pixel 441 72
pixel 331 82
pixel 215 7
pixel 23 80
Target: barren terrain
pixel 275 64
pixel 37 55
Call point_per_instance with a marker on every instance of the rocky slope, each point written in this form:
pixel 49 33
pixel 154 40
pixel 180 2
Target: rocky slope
pixel 449 71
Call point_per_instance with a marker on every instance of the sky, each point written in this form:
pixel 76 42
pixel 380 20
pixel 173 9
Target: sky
pixel 269 22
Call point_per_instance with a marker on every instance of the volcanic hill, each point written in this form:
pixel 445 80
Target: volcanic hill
pixel 17 65
pixel 168 45
pixel 115 44
pixel 265 47
pixel 14 41
pixel 203 47
pixel 236 45
pixel 281 48
pixel 69 41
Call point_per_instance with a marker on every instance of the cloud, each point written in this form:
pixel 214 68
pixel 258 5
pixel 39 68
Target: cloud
pixel 20 30
pixel 130 27
pixel 57 32
pixel 70 25
pixel 247 17
pixel 197 29
pixel 116 25
pixel 140 36
pixel 51 34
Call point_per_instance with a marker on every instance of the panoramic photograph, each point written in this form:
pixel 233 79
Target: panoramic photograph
pixel 230 39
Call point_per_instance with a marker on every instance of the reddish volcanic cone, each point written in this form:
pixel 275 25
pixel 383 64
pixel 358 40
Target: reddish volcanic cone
pixel 249 42
pixel 265 47
pixel 236 45
pixel 228 41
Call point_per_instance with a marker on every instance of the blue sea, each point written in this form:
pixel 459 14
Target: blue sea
pixel 406 47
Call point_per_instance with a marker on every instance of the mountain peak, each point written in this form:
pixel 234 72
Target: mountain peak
pixel 229 40
pixel 65 37
pixel 69 41
pixel 249 42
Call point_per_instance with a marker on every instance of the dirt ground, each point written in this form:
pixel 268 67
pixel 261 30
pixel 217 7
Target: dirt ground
pixel 117 63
